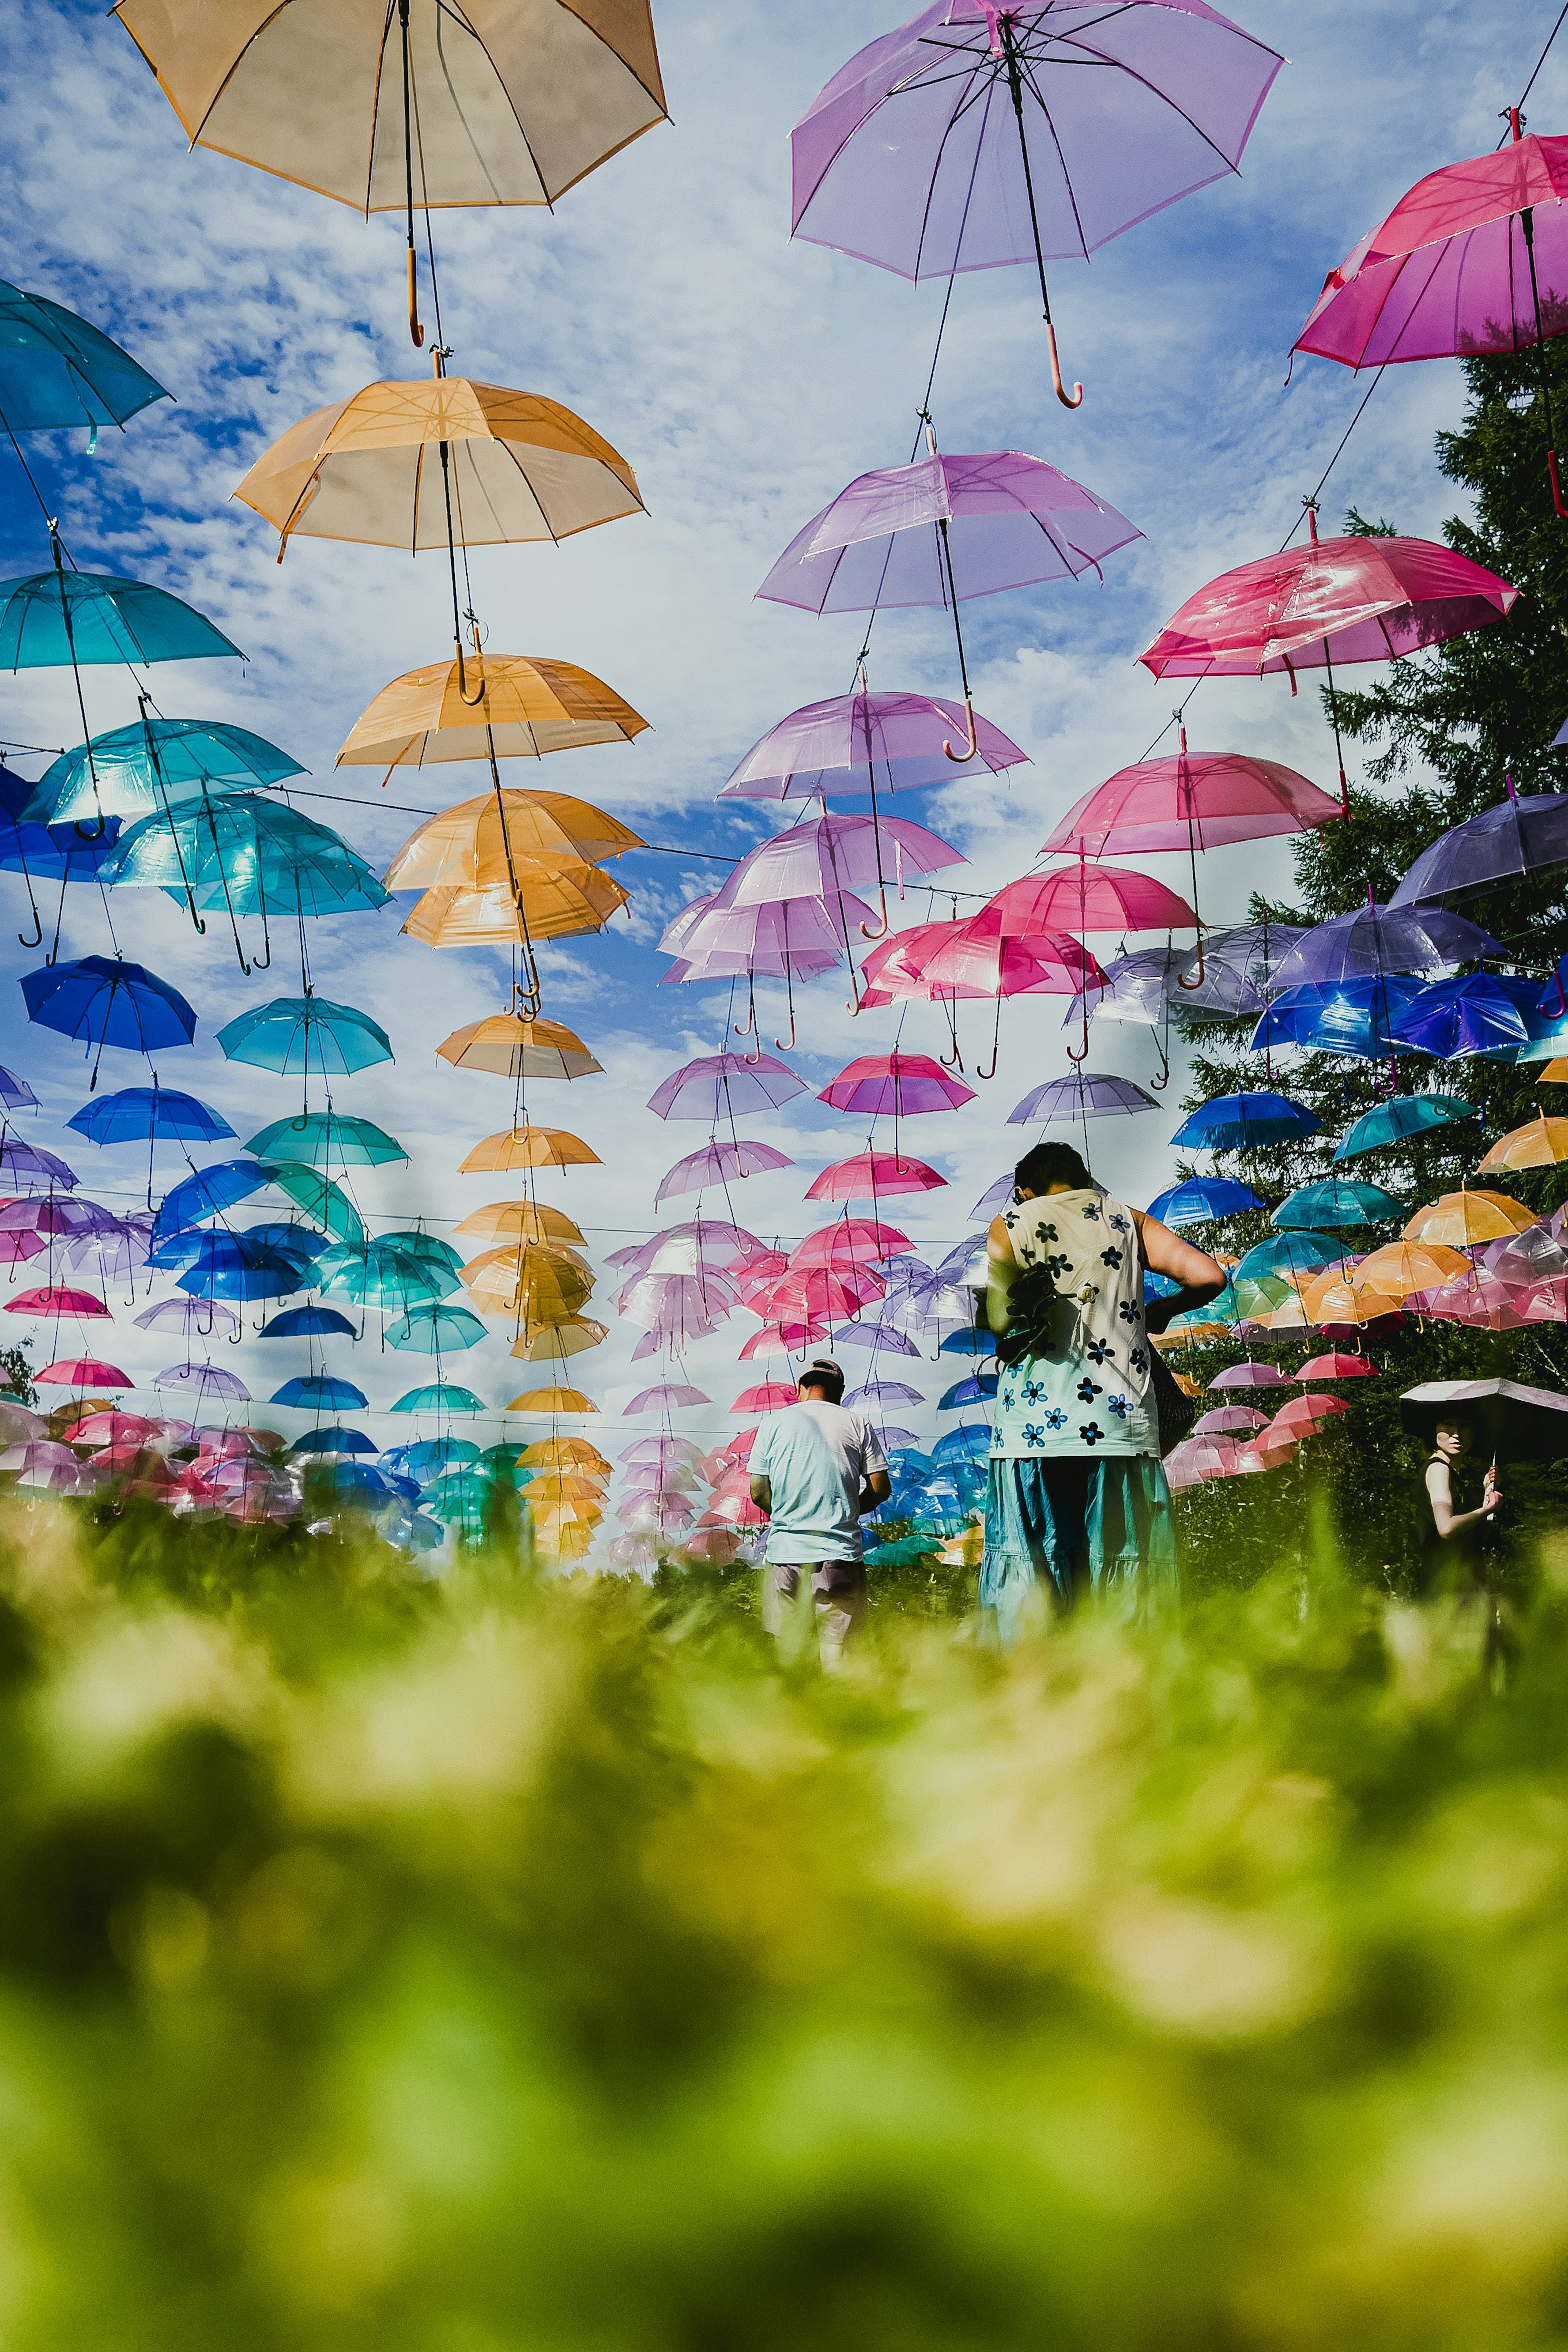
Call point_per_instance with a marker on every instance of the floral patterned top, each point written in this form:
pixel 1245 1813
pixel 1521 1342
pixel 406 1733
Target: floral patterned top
pixel 1090 1394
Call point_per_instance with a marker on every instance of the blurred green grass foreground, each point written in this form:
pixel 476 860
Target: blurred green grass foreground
pixel 498 1963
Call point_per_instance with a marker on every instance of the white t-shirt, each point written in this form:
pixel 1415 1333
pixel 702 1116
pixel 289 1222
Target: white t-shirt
pixel 816 1457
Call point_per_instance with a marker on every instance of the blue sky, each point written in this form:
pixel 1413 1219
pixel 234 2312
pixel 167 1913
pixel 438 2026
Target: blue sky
pixel 747 379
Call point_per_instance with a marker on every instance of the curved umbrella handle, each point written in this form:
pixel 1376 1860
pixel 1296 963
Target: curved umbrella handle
pixel 37 938
pixel 1561 1005
pixel 1182 979
pixel 778 1042
pixel 1069 400
pixel 879 931
pixel 91 832
pixel 958 758
pixel 991 1073
pixel 415 328
pixel 471 702
pixel 1163 1080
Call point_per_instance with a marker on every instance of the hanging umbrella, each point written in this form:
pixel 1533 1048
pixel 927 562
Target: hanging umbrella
pixel 291 1032
pixel 478 843
pixel 945 528
pixel 434 1326
pixel 865 742
pixel 1336 1202
pixel 789 938
pixel 1249 1376
pixel 379 1274
pixel 1502 846
pixel 137 771
pixel 149 1115
pixel 439 1396
pixel 58 370
pixel 529 706
pixel 540 1282
pixel 52 1215
pixel 84 619
pixel 1542 1142
pixel 518 1221
pixel 1201 1198
pixel 323 1202
pixel 1473 1013
pixel 818 857
pixel 23 1166
pixel 1458 1220
pixel 668 1397
pixel 1200 799
pixel 1293 1254
pixel 555 1400
pixel 1089 899
pixel 976 957
pixel 718 1163
pixel 1245 1122
pixel 872 1174
pixel 1446 273
pixel 185 1315
pixel 246 853
pixel 83 1372
pixel 199 1383
pixel 322 1394
pixel 307 1322
pixel 319 1137
pixel 1372 941
pixel 207 1193
pixel 974 136
pixel 901 1085
pixel 106 1001
pixel 528 1146
pixel 333 1439
pixel 1237 971
pixel 538 904
pixel 1355 1017
pixel 513 1048
pixel 1085 1094
pixel 225 1267
pixel 724 1086
pixel 553 1343
pixel 15 1094
pixel 57 1301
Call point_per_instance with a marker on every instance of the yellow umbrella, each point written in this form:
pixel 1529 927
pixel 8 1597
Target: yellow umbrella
pixel 513 1047
pixel 565 1488
pixel 1337 1297
pixel 1395 1270
pixel 543 905
pixel 552 1343
pixel 553 1401
pixel 530 706
pixel 511 465
pixel 1555 1074
pixel 1542 1142
pixel 574 1451
pixel 1462 1219
pixel 482 842
pixel 565 1539
pixel 543 1281
pixel 528 1146
pixel 1289 1315
pixel 518 1221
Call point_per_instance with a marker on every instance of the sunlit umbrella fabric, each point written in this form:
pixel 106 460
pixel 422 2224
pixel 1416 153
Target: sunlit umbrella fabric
pixel 320 1138
pixel 58 370
pixel 134 771
pixel 111 620
pixel 148 1113
pixel 1196 800
pixel 511 1046
pixel 717 1086
pixel 530 706
pixel 528 1146
pixel 105 1000
pixel 518 1221
pixel 246 851
pixel 903 1084
pixel 861 743
pixel 1462 1219
pixel 294 1034
pixel 869 1173
pixel 541 906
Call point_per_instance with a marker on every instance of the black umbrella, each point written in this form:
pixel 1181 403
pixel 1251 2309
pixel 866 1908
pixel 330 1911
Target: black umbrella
pixel 1520 1424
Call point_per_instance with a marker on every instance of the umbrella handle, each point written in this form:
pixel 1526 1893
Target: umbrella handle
pixel 958 758
pixel 1181 980
pixel 1561 998
pixel 1069 400
pixel 37 940
pixel 1163 1080
pixel 471 702
pixel 415 328
pixel 778 1042
pixel 879 931
pixel 91 832
pixel 1556 486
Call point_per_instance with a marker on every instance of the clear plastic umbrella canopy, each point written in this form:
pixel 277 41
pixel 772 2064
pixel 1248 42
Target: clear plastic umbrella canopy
pixel 866 742
pixel 719 1085
pixel 137 771
pixel 1375 939
pixel 244 853
pixel 54 620
pixel 1503 844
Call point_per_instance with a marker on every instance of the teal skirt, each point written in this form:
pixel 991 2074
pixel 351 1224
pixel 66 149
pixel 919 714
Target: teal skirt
pixel 1061 1528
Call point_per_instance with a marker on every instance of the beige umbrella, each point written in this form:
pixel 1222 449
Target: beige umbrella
pixel 530 706
pixel 551 1343
pixel 543 907
pixel 519 1220
pixel 513 1047
pixel 528 1146
pixel 484 841
pixel 405 106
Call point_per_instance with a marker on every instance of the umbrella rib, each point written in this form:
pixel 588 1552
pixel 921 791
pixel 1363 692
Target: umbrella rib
pixel 1164 99
pixel 271 18
pixel 953 121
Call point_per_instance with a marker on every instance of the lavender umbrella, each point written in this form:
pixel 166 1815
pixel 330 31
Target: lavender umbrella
pixel 1517 837
pixel 884 1392
pixel 718 1163
pixel 200 1382
pixel 1240 969
pixel 1085 1095
pixel 15 1094
pixel 25 1168
pixel 1376 940
pixel 187 1315
pixel 942 529
pixel 838 747
pixel 880 1338
pixel 668 1397
pixel 980 134
pixel 725 1085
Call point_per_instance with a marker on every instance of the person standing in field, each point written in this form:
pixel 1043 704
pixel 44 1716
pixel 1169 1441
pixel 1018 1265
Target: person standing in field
pixel 815 1469
pixel 1076 1498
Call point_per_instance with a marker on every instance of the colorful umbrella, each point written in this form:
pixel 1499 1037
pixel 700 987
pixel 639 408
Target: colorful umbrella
pixel 518 1221
pixel 26 1167
pixel 553 1343
pixel 318 1137
pixel 1249 1376
pixel 439 1396
pixel 1292 1255
pixel 200 1315
pixel 718 1163
pixel 511 1045
pixel 1335 1202
pixel 528 707
pixel 15 1094
pixel 668 1397
pixel 307 1322
pixel 1201 1198
pixel 226 1267
pixel 85 1372
pixel 138 771
pixel 1245 1122
pixel 904 1084
pixel 1520 1424
pixel 1458 1220
pixel 528 1146
pixel 1372 941
pixel 1085 1094
pixel 107 1002
pixel 52 620
pixel 1354 1018
pixel 1503 844
pixel 58 370
pixel 149 1115
pixel 725 1085
pixel 1199 800
pixel 322 1394
pixel 872 1174
pixel 207 1193
pixel 1542 1142
pixel 323 1202
pixel 286 1034
pixel 865 742
pixel 1235 971
pixel 54 1299
pixel 434 1326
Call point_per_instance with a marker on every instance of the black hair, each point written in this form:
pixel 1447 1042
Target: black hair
pixel 1051 1163
pixel 823 1374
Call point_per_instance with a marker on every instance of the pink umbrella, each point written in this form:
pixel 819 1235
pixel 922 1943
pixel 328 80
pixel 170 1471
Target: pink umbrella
pixel 817 1294
pixel 941 530
pixel 1250 1376
pixel 781 1340
pixel 1092 897
pixel 840 746
pixel 1347 599
pixel 112 1429
pixel 724 1086
pixel 1481 1302
pixel 977 957
pixel 1199 1458
pixel 718 1163
pixel 16 1248
pixel 1303 1414
pixel 1335 1367
pixel 849 1241
pixel 770 1397
pixel 668 1397
pixel 1228 1419
pixel 54 1299
pixel 83 1372
pixel 1200 799
pixel 902 1084
pixel 871 1174
pixel 1456 268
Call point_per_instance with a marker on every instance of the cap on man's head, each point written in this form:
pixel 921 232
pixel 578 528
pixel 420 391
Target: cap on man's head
pixel 822 1372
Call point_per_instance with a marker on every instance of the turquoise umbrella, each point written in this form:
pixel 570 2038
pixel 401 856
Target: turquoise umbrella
pixel 324 1203
pixel 52 620
pixel 378 1276
pixel 1298 1254
pixel 439 1453
pixel 248 853
pixel 1337 1200
pixel 56 369
pixel 427 1329
pixel 425 1249
pixel 440 1396
pixel 139 771
pixel 294 1032
pixel 321 1137
pixel 1406 1115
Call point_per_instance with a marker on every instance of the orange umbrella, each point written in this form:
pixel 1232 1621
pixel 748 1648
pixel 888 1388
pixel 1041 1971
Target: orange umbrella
pixel 528 1146
pixel 513 1048
pixel 1462 1219
pixel 574 1451
pixel 551 1343
pixel 553 1401
pixel 1542 1142
pixel 543 1282
pixel 530 706
pixel 1336 1297
pixel 540 905
pixel 518 1221
pixel 1391 1272
pixel 482 842
pixel 1555 1074
pixel 563 1487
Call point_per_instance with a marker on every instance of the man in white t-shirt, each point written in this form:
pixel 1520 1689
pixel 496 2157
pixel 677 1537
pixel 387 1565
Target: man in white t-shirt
pixel 814 1468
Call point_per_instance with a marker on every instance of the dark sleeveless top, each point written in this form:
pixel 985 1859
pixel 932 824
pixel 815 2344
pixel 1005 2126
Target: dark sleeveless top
pixel 1466 1549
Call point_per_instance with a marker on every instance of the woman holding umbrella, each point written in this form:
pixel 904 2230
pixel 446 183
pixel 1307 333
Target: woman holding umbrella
pixel 1455 1543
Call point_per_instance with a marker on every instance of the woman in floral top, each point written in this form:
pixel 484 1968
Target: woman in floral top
pixel 1078 1497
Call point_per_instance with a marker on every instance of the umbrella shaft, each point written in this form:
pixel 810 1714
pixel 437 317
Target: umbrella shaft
pixel 1016 84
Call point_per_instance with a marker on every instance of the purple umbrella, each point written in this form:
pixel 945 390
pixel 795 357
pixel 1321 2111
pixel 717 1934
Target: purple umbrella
pixel 996 1198
pixel 670 1397
pixel 1517 837
pixel 676 1308
pixel 718 1085
pixel 942 529
pixel 688 1249
pixel 15 1094
pixel 661 1450
pixel 980 134
pixel 718 1163
pixel 795 938
pixel 25 1168
pixel 838 747
pixel 813 862
pixel 879 1337
pixel 187 1315
pixel 1376 940
pixel 884 1392
pixel 1084 1095
pixel 200 1383
pixel 1473 1014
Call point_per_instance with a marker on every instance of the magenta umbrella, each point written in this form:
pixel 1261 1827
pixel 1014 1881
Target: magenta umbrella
pixel 942 529
pixel 718 1163
pixel 1457 268
pixel 980 134
pixel 838 747
pixel 718 1085
pixel 903 1085
pixel 870 1173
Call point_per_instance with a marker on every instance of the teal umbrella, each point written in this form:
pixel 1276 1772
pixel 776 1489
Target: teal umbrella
pixel 56 369
pixel 321 1137
pixel 1337 1200
pixel 136 771
pixel 324 1203
pixel 1406 1115
pixel 52 620
pixel 293 1034
pixel 427 1330
pixel 321 1392
pixel 425 1249
pixel 440 1396
pixel 378 1276
pixel 1284 1256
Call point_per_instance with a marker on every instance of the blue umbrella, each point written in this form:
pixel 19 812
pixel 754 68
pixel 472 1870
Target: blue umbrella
pixel 107 1002
pixel 436 1453
pixel 176 1250
pixel 357 1484
pixel 1373 941
pixel 307 1322
pixel 148 1115
pixel 1473 1013
pixel 1502 845
pixel 971 1342
pixel 1283 1255
pixel 228 1268
pixel 294 1032
pixel 1159 1285
pixel 111 620
pixel 55 853
pixel 1353 1016
pixel 138 771
pixel 977 1389
pixel 56 369
pixel 208 1194
pixel 322 1394
pixel 333 1439
pixel 1242 1122
pixel 1406 1115
pixel 1201 1198
pixel 294 1240
pixel 970 1442
pixel 1338 1201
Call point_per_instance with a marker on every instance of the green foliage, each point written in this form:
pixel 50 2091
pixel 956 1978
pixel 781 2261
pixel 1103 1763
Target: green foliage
pixel 516 1962
pixel 17 1373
